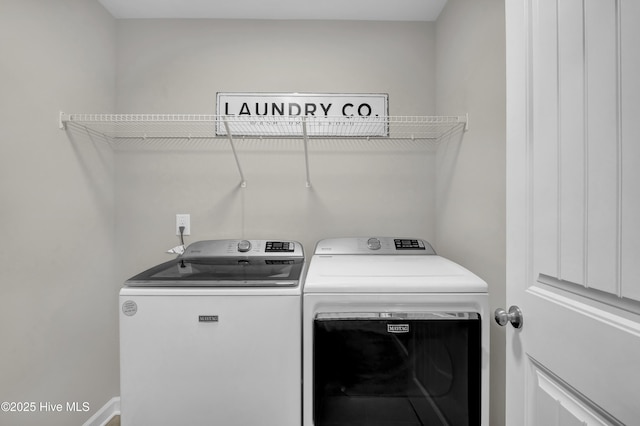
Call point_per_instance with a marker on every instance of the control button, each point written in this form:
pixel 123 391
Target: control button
pixel 279 246
pixel 373 244
pixel 405 244
pixel 244 246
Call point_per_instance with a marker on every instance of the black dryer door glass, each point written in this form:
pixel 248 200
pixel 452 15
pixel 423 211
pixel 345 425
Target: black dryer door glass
pixel 397 369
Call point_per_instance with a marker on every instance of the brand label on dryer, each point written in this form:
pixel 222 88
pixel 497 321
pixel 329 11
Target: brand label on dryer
pixel 398 328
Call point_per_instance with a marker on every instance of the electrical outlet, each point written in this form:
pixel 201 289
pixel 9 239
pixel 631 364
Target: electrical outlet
pixel 183 220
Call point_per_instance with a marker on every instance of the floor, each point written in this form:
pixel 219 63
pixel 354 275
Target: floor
pixel 115 421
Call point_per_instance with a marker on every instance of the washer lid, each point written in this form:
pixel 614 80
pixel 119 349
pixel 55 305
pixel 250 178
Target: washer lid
pixel 389 274
pixel 228 263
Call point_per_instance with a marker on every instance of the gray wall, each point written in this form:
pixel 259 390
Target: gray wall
pixel 470 218
pixel 58 322
pixel 358 188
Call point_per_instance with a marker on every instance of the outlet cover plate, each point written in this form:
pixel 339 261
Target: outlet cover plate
pixel 183 220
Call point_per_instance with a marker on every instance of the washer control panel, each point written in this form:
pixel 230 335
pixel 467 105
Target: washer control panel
pixel 374 245
pixel 243 248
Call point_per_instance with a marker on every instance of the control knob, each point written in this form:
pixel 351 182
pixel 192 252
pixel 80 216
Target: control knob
pixel 373 244
pixel 244 246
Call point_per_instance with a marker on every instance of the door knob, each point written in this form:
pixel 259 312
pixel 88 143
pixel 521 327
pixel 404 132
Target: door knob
pixel 514 316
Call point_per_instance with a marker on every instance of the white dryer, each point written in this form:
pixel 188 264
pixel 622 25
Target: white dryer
pixel 393 334
pixel 214 337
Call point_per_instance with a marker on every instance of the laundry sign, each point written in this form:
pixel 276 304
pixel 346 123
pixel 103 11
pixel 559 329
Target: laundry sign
pixel 292 114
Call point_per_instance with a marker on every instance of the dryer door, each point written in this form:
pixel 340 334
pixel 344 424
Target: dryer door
pixel 391 369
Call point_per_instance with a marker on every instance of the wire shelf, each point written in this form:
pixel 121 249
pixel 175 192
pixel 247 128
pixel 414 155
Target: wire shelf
pixel 260 127
pixel 124 129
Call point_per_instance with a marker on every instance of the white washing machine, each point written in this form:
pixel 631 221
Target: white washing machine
pixel 393 334
pixel 214 337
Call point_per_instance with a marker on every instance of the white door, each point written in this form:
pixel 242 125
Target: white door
pixel 573 211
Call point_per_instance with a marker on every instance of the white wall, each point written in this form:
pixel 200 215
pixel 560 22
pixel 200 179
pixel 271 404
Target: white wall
pixel 470 226
pixel 358 188
pixel 58 317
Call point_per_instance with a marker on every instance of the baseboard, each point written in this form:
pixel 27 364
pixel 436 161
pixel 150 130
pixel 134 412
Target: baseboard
pixel 106 413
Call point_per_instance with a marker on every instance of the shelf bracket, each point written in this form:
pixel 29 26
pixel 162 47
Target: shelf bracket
pixel 243 182
pixel 61 122
pixel 306 151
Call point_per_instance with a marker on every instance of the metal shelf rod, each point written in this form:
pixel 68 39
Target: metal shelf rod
pixel 243 182
pixel 306 151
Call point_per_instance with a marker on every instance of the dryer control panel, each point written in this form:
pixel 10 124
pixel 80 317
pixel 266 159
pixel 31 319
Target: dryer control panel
pixel 374 245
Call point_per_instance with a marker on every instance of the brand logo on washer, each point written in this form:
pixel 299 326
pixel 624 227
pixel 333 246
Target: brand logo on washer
pixel 208 318
pixel 398 328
